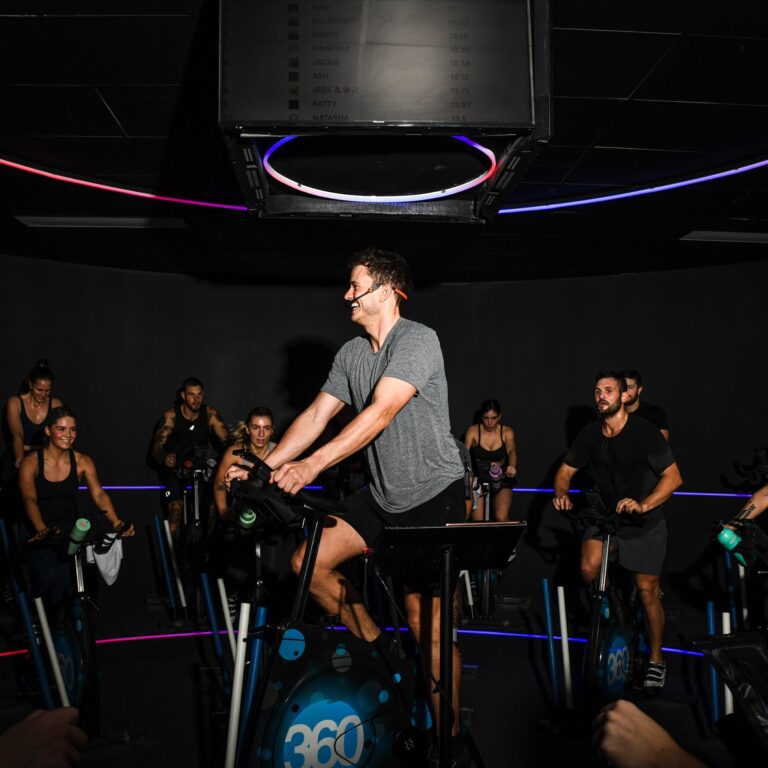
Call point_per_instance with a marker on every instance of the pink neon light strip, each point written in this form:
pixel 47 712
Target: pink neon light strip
pixel 119 190
pixel 435 195
pixel 4 654
pixel 533 208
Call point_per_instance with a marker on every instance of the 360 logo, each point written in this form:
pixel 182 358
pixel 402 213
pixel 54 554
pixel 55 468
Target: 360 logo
pixel 329 735
pixel 616 663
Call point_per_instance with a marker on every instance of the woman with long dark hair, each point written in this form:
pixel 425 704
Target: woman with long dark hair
pixel 494 459
pixel 26 412
pixel 24 429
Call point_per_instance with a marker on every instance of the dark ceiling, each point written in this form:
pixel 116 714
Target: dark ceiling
pixel 124 92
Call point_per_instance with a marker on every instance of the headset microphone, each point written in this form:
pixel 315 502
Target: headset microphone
pixel 374 287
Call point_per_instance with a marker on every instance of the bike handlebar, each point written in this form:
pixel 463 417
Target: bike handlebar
pixel 259 488
pixel 81 534
pixel 597 514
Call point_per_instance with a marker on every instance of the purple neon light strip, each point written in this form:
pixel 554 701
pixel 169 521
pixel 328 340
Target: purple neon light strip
pixel 635 192
pixel 481 632
pixel 162 487
pixel 701 494
pixel 435 195
pixel 119 190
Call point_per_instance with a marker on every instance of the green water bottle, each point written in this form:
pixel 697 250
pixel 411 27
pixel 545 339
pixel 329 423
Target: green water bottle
pixel 730 540
pixel 77 534
pixel 247 519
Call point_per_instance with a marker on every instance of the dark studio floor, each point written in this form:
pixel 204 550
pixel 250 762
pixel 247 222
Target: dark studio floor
pixel 163 706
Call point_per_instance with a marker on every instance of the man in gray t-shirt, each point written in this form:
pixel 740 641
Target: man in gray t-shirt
pixel 415 457
pixel 394 377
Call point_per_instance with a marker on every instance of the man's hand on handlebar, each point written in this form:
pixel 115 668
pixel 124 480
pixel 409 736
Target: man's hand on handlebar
pixel 562 503
pixel 170 460
pixel 292 476
pixel 630 506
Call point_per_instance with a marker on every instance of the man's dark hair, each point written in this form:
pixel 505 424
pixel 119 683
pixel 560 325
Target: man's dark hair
pixel 386 268
pixel 191 382
pixel 620 380
pixel 631 373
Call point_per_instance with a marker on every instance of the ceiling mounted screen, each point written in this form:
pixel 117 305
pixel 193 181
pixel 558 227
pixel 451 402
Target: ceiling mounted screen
pixel 351 64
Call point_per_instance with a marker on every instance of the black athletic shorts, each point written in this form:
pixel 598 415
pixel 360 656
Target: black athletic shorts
pixel 369 519
pixel 640 554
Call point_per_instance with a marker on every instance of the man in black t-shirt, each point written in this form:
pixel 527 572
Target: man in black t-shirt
pixel 179 433
pixel 638 407
pixel 635 472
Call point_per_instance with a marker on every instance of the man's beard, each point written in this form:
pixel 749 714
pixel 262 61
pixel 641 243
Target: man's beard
pixel 610 411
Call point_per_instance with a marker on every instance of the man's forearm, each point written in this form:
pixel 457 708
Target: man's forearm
pixel 361 431
pixel 757 504
pixel 562 483
pixel 306 428
pixel 662 491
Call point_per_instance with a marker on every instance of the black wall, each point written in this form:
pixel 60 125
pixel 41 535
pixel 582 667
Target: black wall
pixel 120 343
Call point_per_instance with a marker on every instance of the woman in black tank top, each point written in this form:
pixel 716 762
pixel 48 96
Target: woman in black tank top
pixel 49 479
pixel 492 444
pixel 25 415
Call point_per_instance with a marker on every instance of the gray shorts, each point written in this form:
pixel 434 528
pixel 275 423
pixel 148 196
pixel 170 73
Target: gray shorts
pixel 641 554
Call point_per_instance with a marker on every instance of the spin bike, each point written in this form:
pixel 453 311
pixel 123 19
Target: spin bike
pixel 747 542
pixel 617 647
pixel 189 552
pixel 327 700
pixel 68 636
pixel 322 697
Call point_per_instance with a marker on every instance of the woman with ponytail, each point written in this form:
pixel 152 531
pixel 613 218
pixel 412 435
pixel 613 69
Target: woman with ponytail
pixel 253 435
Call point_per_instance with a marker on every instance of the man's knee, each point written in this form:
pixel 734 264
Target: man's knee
pixel 297 558
pixel 649 592
pixel 175 509
pixel 589 571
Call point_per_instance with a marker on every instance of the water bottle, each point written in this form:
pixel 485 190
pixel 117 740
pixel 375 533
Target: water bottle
pixel 730 540
pixel 495 472
pixel 77 534
pixel 247 519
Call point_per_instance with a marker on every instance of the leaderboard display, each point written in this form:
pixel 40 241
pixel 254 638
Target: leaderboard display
pixel 357 63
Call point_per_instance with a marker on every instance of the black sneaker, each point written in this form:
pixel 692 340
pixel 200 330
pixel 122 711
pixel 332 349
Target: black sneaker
pixel 655 677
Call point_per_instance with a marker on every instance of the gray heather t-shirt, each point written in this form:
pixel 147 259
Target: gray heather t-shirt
pixel 415 457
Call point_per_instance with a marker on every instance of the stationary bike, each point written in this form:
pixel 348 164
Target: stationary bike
pixel 197 471
pixel 325 698
pixel 617 647
pixel 71 626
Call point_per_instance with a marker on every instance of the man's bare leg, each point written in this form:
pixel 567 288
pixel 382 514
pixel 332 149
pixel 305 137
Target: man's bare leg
pixel 649 589
pixel 330 588
pixel 175 509
pixel 422 613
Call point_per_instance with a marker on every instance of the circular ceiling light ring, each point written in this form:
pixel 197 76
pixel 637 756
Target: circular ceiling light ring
pixel 413 198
